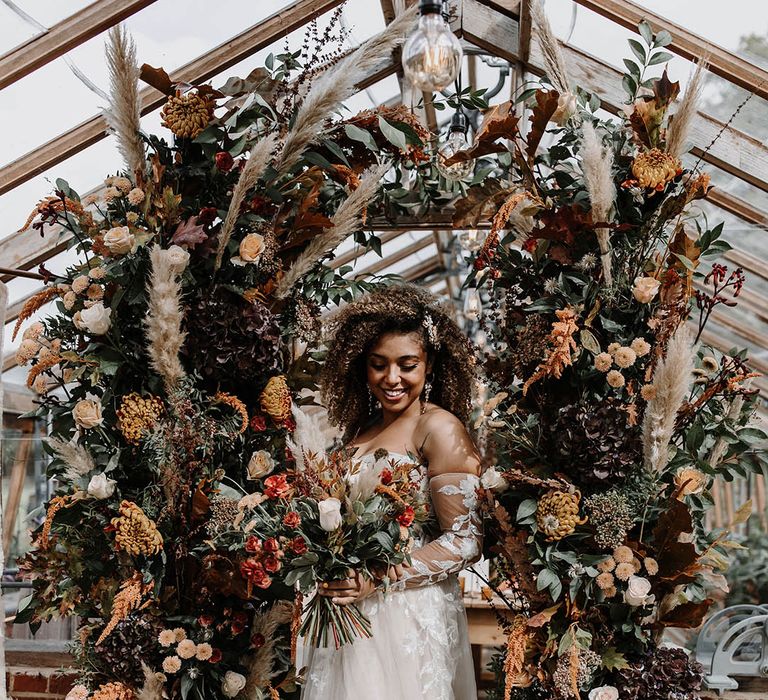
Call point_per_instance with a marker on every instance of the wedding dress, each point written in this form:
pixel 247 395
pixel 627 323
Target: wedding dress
pixel 420 645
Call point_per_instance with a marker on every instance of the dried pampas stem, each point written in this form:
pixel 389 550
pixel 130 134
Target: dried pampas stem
pixel 260 664
pixel 164 317
pixel 554 61
pixel 78 460
pixel 680 126
pixel 154 683
pixel 597 167
pixel 124 111
pixel 672 381
pixel 337 84
pixel 260 156
pixel 346 220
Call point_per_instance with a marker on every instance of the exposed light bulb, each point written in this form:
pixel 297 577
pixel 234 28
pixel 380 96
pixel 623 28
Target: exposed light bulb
pixel 471 240
pixel 457 141
pixel 432 54
pixel 481 338
pixel 473 305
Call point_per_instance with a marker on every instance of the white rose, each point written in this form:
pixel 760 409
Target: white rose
pixel 119 240
pixel 566 108
pixel 260 464
pixel 638 591
pixel 100 486
pixel 177 258
pixel 493 480
pixel 645 289
pixel 232 684
pixel 604 692
pixel 87 413
pixel 330 514
pixel 96 319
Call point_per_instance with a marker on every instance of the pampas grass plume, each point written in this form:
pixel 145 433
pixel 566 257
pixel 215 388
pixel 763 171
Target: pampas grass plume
pixel 154 682
pixel 261 663
pixel 164 318
pixel 672 380
pixel 554 61
pixel 260 156
pixel 78 460
pixel 597 167
pixel 346 220
pixel 124 111
pixel 680 126
pixel 308 437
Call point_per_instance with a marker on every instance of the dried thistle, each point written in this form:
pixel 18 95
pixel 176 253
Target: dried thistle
pixel 562 343
pixel 680 124
pixel 260 664
pixel 261 153
pixel 337 84
pixel 346 220
pixel 77 459
pixel 597 167
pixel 672 381
pixel 164 318
pixel 550 49
pixel 124 111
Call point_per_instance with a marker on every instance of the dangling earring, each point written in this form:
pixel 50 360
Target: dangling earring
pixel 372 402
pixel 427 390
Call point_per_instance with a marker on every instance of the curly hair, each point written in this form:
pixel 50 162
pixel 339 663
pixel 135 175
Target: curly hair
pixel 394 309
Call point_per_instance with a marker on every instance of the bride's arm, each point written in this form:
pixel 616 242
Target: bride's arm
pixel 454 466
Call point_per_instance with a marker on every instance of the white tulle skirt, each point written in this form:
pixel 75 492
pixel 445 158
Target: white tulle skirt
pixel 419 651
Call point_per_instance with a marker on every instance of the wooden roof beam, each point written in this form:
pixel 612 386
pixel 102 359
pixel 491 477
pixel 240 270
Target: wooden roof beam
pixel 395 257
pixel 64 36
pixel 685 43
pixel 211 63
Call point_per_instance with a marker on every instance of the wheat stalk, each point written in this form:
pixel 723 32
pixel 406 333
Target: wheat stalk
pixel 554 62
pixel 597 168
pixel 164 319
pixel 257 162
pixel 78 460
pixel 680 126
pixel 346 220
pixel 337 84
pixel 123 113
pixel 672 381
pixel 261 663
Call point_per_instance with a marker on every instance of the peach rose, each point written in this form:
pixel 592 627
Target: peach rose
pixel 87 413
pixel 251 248
pixel 119 240
pixel 645 289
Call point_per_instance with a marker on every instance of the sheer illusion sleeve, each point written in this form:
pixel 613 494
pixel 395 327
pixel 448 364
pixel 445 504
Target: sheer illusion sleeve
pixel 454 501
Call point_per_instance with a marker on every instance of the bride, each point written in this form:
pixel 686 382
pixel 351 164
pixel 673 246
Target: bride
pixel 398 379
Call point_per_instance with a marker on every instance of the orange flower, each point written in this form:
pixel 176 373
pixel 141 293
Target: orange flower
pixel 233 402
pixel 562 342
pixel 655 168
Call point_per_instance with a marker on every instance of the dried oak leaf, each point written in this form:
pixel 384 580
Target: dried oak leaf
pixel 189 233
pixel 481 202
pixel 157 78
pixel 546 105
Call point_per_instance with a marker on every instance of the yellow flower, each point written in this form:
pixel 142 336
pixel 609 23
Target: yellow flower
pixel 187 115
pixel 166 638
pixel 655 168
pixel 624 571
pixel 135 533
pixel 557 514
pixel 651 566
pixel 605 581
pixel 608 564
pixel 623 554
pixel 137 415
pixel 136 196
pixel 113 691
pixel 640 346
pixel 80 284
pixel 186 649
pixel 275 400
pixel 171 664
pixel 648 392
pixel 203 652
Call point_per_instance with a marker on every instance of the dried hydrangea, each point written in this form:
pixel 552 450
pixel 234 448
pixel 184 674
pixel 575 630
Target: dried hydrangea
pixel 661 674
pixel 223 514
pixel 589 661
pixel 611 517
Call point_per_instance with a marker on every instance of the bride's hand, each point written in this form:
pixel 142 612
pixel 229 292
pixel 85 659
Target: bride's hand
pixel 349 590
pixel 393 573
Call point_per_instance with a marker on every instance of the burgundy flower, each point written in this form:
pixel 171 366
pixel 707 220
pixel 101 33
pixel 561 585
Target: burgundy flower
pixel 258 423
pixel 271 545
pixel 224 161
pixel 276 486
pixel 272 564
pixel 386 476
pixel 299 546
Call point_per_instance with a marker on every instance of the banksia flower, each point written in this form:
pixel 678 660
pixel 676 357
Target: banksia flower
pixel 136 533
pixel 187 115
pixel 275 400
pixel 113 691
pixel 236 404
pixel 137 415
pixel 655 168
pixel 557 514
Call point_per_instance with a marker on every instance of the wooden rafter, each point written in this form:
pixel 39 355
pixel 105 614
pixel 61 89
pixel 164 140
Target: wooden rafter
pixel 211 63
pixel 64 36
pixel 685 43
pixel 359 251
pixel 397 256
pixel 525 27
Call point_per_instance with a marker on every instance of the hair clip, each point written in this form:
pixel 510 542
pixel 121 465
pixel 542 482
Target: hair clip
pixel 429 326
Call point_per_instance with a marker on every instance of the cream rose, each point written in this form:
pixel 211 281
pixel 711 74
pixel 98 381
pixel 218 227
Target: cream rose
pixel 604 692
pixel 638 592
pixel 177 258
pixel 690 480
pixel 96 319
pixel 119 240
pixel 566 108
pixel 87 413
pixel 232 684
pixel 260 464
pixel 493 480
pixel 100 486
pixel 330 514
pixel 645 289
pixel 251 248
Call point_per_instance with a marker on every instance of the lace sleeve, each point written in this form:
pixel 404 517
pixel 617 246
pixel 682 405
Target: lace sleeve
pixel 454 500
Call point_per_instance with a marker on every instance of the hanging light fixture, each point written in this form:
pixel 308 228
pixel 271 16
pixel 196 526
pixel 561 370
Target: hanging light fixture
pixel 473 305
pixel 471 240
pixel 457 141
pixel 432 54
